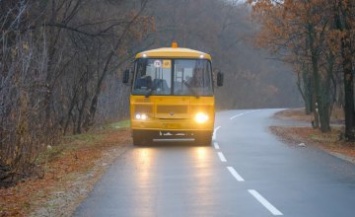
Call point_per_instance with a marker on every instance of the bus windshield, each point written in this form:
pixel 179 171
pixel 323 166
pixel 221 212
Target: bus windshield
pixel 182 77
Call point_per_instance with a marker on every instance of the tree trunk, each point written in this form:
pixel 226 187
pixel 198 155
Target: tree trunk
pixel 324 105
pixel 348 88
pixel 307 80
pixel 321 109
pixel 315 84
pixel 342 13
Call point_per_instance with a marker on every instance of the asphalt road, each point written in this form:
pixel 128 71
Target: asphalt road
pixel 246 172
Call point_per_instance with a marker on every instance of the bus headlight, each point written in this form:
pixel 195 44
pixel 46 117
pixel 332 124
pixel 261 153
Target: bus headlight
pixel 201 118
pixel 141 116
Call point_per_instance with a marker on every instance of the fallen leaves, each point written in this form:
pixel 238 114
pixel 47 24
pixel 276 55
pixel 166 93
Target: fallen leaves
pixel 330 142
pixel 68 176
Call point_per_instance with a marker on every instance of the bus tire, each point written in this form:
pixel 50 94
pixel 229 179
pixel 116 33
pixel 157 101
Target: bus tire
pixel 203 138
pixel 142 137
pixel 139 138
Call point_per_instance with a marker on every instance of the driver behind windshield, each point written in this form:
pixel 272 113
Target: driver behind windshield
pixel 197 78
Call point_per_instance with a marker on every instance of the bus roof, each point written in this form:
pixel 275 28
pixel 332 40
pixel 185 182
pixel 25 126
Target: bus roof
pixel 171 52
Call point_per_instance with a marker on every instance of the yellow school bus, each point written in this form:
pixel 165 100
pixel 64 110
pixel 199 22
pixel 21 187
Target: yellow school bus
pixel 172 96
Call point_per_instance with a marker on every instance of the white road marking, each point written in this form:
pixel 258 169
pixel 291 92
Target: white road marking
pixel 264 202
pixel 221 157
pixel 214 137
pixel 241 114
pixel 235 116
pixel 235 174
pixel 216 146
pixel 174 140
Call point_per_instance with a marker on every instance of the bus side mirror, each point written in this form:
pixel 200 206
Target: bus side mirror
pixel 220 78
pixel 125 76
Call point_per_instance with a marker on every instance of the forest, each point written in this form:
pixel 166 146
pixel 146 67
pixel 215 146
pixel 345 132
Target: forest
pixel 316 38
pixel 61 61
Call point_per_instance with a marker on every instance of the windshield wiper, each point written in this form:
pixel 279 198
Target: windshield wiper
pixel 150 91
pixel 192 90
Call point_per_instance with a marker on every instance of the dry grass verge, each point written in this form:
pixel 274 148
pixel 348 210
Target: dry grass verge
pixel 71 170
pixel 330 142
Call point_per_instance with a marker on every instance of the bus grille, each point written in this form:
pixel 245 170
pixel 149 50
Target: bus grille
pixel 144 109
pixel 172 109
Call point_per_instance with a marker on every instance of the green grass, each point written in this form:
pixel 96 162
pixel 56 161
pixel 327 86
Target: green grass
pixel 121 124
pixel 312 136
pixel 72 142
pixel 84 137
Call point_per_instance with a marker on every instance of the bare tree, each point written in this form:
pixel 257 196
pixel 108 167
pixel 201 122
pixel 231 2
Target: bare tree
pixel 345 21
pixel 54 59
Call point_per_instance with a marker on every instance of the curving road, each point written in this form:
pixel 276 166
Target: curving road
pixel 245 172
